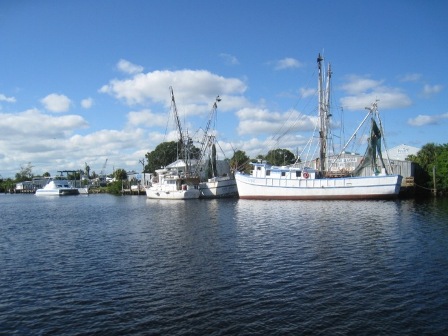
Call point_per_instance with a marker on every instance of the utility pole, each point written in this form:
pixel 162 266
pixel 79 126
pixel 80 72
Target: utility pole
pixel 434 180
pixel 143 171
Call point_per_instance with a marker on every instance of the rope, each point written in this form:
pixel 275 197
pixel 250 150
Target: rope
pixel 431 189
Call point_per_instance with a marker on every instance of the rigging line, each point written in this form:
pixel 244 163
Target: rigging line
pixel 298 118
pixel 222 151
pixel 279 134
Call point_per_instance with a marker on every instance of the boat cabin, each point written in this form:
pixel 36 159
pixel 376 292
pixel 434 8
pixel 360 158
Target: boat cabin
pixel 266 170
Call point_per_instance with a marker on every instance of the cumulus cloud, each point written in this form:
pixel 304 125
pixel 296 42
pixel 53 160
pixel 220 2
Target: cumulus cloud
pixel 7 99
pixel 56 103
pixel 423 120
pixel 87 103
pixel 34 123
pixel 287 63
pixel 128 68
pixel 257 121
pixel 304 93
pixel 190 87
pixel 146 118
pixel 358 84
pixel 45 140
pixel 363 91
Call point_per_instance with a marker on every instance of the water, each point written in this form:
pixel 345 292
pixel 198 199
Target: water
pixel 110 265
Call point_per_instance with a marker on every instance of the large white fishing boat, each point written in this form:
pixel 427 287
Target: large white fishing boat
pixel 57 187
pixel 298 182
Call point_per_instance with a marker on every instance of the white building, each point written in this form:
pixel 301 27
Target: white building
pixel 401 152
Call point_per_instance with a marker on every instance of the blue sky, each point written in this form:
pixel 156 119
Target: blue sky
pixel 85 81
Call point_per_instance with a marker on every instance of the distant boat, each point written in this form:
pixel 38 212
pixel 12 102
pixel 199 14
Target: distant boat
pixel 217 181
pixel 296 182
pixel 84 190
pixel 171 183
pixel 176 180
pixel 57 187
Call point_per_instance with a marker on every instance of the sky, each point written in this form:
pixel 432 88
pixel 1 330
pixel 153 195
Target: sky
pixel 82 82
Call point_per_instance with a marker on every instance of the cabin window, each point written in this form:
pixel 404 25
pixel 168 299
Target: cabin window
pixel 268 172
pixel 298 173
pixel 258 168
pixel 283 173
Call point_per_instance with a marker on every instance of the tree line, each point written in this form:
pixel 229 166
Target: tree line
pixel 168 152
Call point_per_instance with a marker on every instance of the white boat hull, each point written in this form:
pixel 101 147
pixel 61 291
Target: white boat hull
pixel 218 188
pixel 57 192
pixel 83 191
pixel 160 193
pixel 370 187
pixel 57 187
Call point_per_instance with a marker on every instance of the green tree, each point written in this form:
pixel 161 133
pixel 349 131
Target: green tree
pixel 120 174
pixel 430 158
pixel 115 187
pixel 280 157
pixel 25 174
pixel 164 154
pixel 168 152
pixel 240 161
pixel 87 170
pixel 441 170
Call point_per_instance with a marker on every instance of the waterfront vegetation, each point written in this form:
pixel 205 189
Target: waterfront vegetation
pixel 430 175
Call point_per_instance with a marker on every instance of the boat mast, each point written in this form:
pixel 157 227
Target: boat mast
pixel 322 118
pixel 327 113
pixel 176 115
pixel 184 140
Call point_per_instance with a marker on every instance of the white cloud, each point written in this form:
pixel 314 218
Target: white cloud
pixel 146 118
pixel 430 90
pixel 87 103
pixel 56 103
pixel 129 68
pixel 287 63
pixel 190 87
pixel 229 59
pixel 423 120
pixel 357 84
pixel 7 99
pixel 362 92
pixel 33 123
pixel 304 92
pixel 49 142
pixel 258 121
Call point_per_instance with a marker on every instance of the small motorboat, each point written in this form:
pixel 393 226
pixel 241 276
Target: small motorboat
pixel 57 187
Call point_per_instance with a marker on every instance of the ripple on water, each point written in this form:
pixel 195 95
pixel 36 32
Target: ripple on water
pixel 127 265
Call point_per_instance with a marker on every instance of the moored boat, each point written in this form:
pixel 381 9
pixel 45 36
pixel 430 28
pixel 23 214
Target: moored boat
pixel 57 187
pixel 296 181
pixel 218 187
pixel 172 184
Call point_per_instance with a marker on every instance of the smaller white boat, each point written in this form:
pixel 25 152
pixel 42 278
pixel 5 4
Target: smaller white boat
pixel 171 185
pixel 218 187
pixel 83 190
pixel 57 187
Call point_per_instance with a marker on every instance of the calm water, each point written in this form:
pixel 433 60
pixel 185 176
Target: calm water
pixel 109 265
